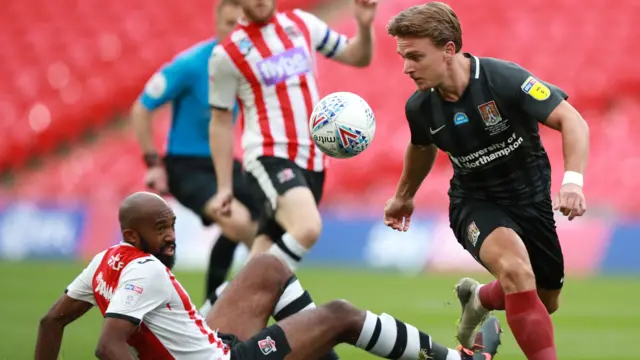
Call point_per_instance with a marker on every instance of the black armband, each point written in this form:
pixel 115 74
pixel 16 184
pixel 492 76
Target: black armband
pixel 152 160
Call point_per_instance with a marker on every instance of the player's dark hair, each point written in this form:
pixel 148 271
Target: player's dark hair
pixel 435 20
pixel 223 3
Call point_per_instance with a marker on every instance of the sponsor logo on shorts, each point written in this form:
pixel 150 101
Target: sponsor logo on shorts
pixel 278 68
pixel 535 89
pixel 267 345
pixel 473 233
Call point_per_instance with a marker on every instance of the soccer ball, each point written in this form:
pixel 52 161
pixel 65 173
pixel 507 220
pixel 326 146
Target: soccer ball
pixel 342 125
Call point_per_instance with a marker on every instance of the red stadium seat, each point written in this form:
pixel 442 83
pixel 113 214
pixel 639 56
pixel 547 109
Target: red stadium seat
pixel 86 61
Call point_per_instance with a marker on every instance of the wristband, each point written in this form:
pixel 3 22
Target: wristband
pixel 572 177
pixel 151 160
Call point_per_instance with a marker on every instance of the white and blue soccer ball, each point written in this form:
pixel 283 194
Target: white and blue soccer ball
pixel 342 125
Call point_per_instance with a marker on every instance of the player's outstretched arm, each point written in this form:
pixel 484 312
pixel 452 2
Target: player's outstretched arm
pixel 64 311
pixel 113 339
pixel 359 50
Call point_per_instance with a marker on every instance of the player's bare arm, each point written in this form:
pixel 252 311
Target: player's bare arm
pixel 141 119
pixel 359 51
pixel 223 85
pixel 112 344
pixel 65 311
pixel 418 161
pixel 575 144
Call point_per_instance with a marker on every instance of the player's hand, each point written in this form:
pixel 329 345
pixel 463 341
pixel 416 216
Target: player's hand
pixel 366 11
pixel 397 213
pixel 220 203
pixel 570 201
pixel 156 179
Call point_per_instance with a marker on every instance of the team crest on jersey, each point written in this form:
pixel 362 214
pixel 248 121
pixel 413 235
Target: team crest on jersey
pixel 267 345
pixel 490 114
pixel 473 233
pixel 292 31
pixel 493 121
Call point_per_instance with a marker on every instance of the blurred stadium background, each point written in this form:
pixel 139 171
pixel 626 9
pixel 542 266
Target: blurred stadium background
pixel 70 69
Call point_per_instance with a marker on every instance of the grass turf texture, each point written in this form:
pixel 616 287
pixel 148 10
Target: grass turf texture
pixel 593 312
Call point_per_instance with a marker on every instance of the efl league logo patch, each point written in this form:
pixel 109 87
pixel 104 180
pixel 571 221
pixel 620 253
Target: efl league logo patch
pixel 490 114
pixel 267 346
pixel 535 89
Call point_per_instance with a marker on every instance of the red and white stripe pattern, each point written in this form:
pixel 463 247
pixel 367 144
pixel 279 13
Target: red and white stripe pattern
pixel 271 70
pixel 127 283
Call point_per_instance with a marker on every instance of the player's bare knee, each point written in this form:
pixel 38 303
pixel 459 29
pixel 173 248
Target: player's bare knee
pixel 307 233
pixel 272 271
pixel 516 275
pixel 346 317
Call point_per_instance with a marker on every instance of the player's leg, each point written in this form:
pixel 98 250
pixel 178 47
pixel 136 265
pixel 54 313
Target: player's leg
pixel 264 287
pixel 309 333
pixel 491 235
pixel 294 203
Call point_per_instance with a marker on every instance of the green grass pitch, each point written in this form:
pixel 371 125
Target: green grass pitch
pixel 599 318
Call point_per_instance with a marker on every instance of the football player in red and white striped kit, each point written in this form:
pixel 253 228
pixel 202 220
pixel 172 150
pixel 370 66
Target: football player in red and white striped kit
pixel 268 64
pixel 148 314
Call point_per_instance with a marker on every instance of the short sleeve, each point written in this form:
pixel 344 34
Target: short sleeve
pixel 535 97
pixel 166 84
pixel 325 40
pixel 223 80
pixel 417 123
pixel 143 287
pixel 81 287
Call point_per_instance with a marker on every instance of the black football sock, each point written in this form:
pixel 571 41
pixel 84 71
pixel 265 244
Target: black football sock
pixel 219 263
pixel 389 338
pixel 293 300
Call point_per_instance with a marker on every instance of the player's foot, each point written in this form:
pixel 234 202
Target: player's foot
pixel 486 342
pixel 472 311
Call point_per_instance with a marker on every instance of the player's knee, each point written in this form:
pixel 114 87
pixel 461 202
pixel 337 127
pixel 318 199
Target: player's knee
pixel 552 306
pixel 345 316
pixel 307 233
pixel 272 272
pixel 516 275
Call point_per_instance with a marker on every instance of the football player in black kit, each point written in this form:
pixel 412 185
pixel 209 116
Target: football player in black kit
pixel 484 114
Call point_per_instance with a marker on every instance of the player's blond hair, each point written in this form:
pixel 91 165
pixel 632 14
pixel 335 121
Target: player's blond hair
pixel 435 20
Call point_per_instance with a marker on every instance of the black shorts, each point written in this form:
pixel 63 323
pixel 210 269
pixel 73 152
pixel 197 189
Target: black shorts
pixel 269 177
pixel 269 344
pixel 192 181
pixel 473 220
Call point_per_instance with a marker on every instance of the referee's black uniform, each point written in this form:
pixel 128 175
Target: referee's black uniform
pixel 502 175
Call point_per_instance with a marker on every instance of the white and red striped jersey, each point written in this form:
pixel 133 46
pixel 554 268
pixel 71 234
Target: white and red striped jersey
pixel 126 283
pixel 270 69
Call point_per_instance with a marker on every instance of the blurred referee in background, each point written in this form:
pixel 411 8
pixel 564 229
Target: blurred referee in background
pixel 187 172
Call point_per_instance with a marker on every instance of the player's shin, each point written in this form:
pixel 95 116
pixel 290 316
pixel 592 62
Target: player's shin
pixel 220 262
pixel 389 338
pixel 289 250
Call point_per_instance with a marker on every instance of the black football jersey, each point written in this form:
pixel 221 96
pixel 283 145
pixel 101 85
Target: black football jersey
pixel 491 133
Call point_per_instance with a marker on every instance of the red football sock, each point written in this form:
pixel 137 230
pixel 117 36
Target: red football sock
pixel 531 325
pixel 492 296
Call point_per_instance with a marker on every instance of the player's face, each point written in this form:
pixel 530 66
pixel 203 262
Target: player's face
pixel 425 63
pixel 158 237
pixel 227 19
pixel 258 10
